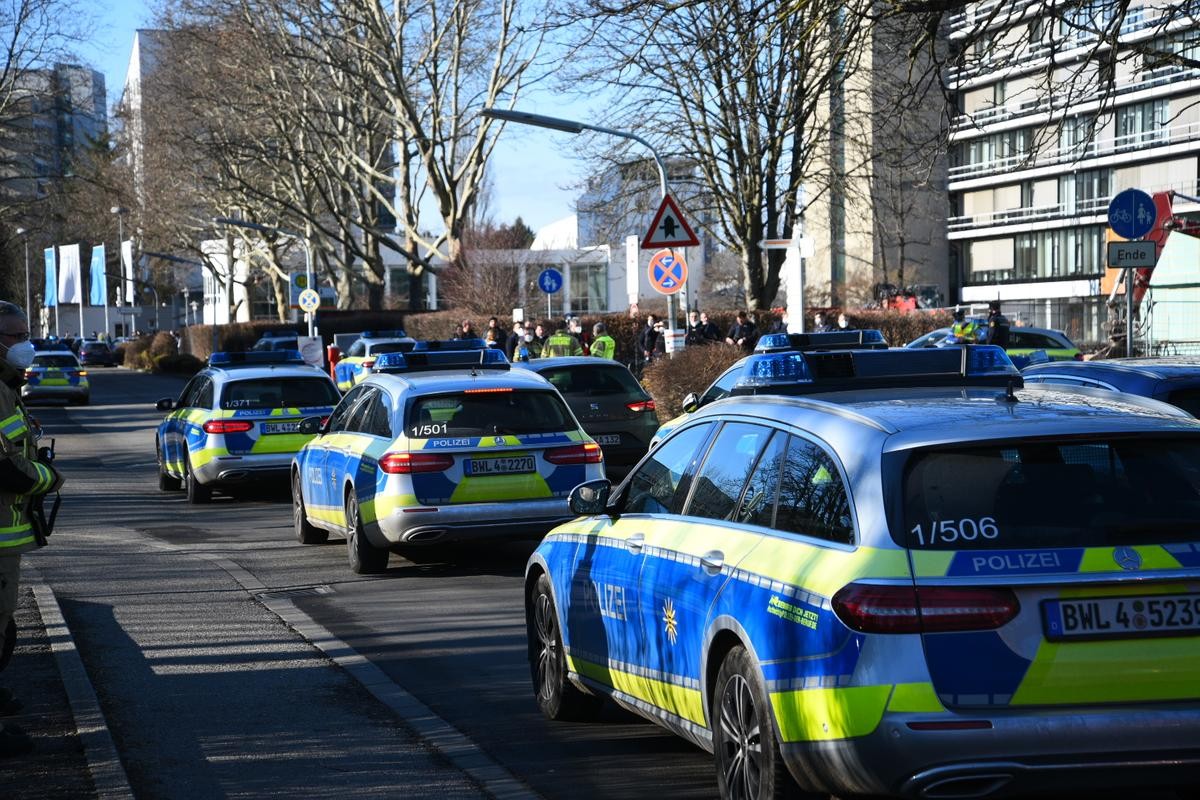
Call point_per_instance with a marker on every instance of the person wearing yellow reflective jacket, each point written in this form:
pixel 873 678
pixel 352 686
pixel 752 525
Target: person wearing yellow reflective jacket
pixel 22 478
pixel 965 331
pixel 603 345
pixel 561 343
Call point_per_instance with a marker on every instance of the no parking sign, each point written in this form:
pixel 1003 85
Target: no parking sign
pixel 667 272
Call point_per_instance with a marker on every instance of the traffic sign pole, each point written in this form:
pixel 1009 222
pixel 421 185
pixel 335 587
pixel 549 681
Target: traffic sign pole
pixel 1131 215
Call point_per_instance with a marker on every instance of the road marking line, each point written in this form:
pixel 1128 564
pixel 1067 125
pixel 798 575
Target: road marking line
pixel 493 777
pixel 108 774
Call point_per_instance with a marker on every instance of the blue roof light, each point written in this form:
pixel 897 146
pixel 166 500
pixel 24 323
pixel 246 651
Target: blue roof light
pixel 988 359
pixel 450 344
pixel 420 360
pixel 393 334
pixel 255 358
pixel 867 338
pixel 775 368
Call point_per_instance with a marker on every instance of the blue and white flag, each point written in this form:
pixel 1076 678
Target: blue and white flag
pixel 51 293
pixel 98 278
pixel 70 281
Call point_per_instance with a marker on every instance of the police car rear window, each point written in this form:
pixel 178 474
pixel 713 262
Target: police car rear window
pixel 487 412
pixel 1039 493
pixel 281 392
pixel 63 362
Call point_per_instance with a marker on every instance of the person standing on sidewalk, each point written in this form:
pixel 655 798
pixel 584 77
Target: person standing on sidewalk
pixel 562 343
pixel 603 345
pixel 23 478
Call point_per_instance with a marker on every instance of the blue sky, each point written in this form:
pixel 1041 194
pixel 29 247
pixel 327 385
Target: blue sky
pixel 528 169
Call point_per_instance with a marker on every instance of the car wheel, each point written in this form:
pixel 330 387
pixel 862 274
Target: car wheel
pixel 166 481
pixel 746 745
pixel 196 492
pixel 306 533
pixel 557 697
pixel 365 558
pixel 81 401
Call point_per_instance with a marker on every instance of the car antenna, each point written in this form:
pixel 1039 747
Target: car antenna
pixel 1010 395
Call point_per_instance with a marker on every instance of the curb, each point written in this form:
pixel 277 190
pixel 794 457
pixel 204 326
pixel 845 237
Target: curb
pixel 99 749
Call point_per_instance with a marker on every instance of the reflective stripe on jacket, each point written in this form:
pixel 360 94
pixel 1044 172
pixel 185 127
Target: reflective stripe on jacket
pixel 604 347
pixel 561 344
pixel 21 475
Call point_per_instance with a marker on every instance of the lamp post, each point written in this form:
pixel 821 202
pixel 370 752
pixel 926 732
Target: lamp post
pixel 24 232
pixel 166 257
pixel 572 126
pixel 119 212
pixel 308 258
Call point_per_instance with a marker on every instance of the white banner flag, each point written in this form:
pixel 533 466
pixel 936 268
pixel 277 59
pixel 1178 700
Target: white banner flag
pixel 70 283
pixel 131 294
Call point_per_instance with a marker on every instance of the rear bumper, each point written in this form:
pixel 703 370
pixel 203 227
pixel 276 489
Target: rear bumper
pixel 233 470
pixel 55 392
pixel 1040 750
pixel 469 521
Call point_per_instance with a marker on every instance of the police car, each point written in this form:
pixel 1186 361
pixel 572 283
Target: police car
pixel 441 444
pixel 238 420
pixel 56 375
pixel 361 356
pixel 866 339
pixel 1174 380
pixel 871 574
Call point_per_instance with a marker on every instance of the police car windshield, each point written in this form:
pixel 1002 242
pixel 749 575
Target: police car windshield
pixel 592 379
pixel 1052 494
pixel 281 392
pixel 486 413
pixel 56 361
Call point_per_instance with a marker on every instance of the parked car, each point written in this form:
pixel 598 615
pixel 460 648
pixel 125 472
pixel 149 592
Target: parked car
pixel 276 340
pixel 608 401
pixel 94 353
pixel 56 375
pixel 1023 342
pixel 1174 380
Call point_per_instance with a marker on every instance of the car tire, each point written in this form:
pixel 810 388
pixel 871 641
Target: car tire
pixel 197 493
pixel 745 742
pixel 166 481
pixel 557 697
pixel 306 532
pixel 365 558
pixel 81 401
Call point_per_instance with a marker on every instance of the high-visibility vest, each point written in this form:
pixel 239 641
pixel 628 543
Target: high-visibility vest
pixel 561 344
pixel 31 477
pixel 966 332
pixel 604 346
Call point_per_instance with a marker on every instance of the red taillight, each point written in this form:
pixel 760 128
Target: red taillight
pixel 489 390
pixel 29 373
pixel 1078 356
pixel 931 609
pixel 227 426
pixel 642 405
pixel 410 463
pixel 587 453
pixel 370 362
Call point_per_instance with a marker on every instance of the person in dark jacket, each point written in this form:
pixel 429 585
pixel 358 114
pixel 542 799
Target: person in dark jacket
pixel 647 340
pixel 743 332
pixel 997 326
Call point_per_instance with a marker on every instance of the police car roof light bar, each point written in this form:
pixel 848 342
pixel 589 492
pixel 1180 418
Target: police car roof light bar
pixel 450 344
pixel 805 373
pixel 425 361
pixel 255 358
pixel 392 334
pixel 867 339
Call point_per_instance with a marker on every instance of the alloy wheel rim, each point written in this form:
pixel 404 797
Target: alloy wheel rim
pixel 741 740
pixel 547 657
pixel 297 503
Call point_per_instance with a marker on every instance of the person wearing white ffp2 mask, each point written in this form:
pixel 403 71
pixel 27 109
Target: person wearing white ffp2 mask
pixel 22 477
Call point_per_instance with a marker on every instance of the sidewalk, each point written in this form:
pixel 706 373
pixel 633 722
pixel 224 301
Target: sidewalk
pixel 57 768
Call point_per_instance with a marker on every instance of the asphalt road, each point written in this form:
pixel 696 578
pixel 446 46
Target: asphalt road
pixel 207 690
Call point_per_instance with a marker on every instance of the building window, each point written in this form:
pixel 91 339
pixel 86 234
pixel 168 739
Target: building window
pixel 1142 124
pixel 589 287
pixel 1038 255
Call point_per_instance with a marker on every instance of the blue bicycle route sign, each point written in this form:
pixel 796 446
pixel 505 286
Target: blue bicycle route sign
pixel 1131 214
pixel 550 280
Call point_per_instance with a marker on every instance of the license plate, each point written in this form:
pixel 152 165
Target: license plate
pixel 1121 617
pixel 280 427
pixel 608 438
pixel 505 465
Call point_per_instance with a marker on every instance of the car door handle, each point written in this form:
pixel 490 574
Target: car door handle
pixel 636 542
pixel 712 561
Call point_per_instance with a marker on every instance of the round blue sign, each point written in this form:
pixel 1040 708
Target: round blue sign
pixel 1131 214
pixel 550 280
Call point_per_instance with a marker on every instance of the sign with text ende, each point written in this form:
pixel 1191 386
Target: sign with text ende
pixel 1126 255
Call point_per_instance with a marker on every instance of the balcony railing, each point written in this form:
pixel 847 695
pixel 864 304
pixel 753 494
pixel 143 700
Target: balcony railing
pixel 1160 76
pixel 1081 152
pixel 1079 208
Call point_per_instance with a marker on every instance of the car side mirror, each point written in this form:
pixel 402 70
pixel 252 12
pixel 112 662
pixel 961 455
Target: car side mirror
pixel 311 425
pixel 165 404
pixel 589 499
pixel 691 402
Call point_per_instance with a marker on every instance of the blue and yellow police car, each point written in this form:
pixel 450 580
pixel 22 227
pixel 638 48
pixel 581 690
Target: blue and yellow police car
pixel 441 444
pixel 56 375
pixel 865 573
pixel 238 420
pixel 361 356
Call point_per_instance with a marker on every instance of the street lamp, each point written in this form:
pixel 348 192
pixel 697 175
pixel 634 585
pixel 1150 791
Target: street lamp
pixel 24 232
pixel 572 126
pixel 308 258
pixel 165 257
pixel 120 212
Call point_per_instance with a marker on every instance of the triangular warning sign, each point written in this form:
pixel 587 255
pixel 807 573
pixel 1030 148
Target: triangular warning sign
pixel 669 228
